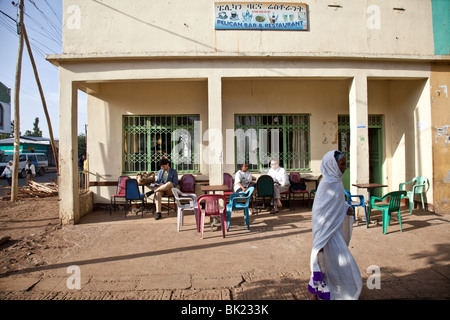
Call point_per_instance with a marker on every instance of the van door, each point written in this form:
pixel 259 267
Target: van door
pixel 42 163
pixel 22 163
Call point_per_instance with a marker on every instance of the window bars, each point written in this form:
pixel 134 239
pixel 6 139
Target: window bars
pixel 262 137
pixel 148 139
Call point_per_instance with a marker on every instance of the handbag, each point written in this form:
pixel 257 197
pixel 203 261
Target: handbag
pixel 145 177
pixel 296 186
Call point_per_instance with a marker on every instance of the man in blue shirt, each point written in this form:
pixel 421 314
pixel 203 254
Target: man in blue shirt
pixel 166 180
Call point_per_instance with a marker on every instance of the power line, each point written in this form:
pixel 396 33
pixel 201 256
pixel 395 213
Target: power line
pixel 51 33
pixel 35 43
pixel 8 27
pixel 40 47
pixel 7 23
pixel 55 13
pixel 45 35
pixel 47 19
pixel 8 16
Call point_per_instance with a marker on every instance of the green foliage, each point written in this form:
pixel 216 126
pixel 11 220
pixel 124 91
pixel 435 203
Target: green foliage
pixel 81 144
pixel 36 131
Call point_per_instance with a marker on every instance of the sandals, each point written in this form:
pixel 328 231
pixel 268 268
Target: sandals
pixel 273 211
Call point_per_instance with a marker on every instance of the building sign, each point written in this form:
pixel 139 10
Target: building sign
pixel 260 16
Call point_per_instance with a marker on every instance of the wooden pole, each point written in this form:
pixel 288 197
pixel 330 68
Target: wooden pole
pixel 15 175
pixel 44 104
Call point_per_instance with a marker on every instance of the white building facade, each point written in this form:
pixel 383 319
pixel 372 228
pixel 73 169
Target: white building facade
pixel 184 79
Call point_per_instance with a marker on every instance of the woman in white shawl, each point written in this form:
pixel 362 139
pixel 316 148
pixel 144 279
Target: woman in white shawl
pixel 334 272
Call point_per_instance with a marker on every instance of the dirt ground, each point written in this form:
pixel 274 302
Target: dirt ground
pixel 135 257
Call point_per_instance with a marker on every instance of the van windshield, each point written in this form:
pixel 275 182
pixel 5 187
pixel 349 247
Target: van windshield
pixel 6 158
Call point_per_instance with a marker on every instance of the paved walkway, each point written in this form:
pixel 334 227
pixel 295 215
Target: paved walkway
pixel 140 258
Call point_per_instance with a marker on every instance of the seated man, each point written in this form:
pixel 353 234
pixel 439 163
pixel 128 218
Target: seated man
pixel 280 183
pixel 166 180
pixel 243 179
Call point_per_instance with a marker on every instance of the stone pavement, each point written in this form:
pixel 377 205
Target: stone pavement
pixel 136 258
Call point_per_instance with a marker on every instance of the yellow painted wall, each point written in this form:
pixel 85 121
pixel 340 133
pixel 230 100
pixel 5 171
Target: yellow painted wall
pixel 403 105
pixel 179 27
pixel 105 111
pixel 440 105
pixel 324 99
pixel 315 97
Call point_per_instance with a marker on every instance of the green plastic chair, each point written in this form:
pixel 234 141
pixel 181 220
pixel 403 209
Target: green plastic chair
pixel 421 186
pixel 264 188
pixel 392 206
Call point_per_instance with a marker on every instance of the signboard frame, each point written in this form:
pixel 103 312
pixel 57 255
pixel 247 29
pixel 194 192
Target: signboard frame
pixel 261 16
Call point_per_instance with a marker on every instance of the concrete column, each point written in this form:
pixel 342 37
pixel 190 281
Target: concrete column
pixel 213 153
pixel 69 211
pixel 359 133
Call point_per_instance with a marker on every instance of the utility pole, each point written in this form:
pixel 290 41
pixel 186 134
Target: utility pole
pixel 15 176
pixel 44 104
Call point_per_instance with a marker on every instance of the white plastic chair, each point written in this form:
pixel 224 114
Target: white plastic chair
pixel 185 201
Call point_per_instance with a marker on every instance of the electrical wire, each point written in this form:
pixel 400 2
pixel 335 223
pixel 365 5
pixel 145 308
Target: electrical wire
pixel 49 31
pixel 59 17
pixel 40 41
pixel 50 23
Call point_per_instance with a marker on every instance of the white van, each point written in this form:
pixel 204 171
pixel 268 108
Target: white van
pixel 39 160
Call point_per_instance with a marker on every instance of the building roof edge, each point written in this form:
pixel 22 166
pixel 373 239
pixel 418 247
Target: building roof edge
pixel 57 59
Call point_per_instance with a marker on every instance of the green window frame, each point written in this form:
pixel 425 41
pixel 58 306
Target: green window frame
pixel 262 137
pixel 149 138
pixel 374 120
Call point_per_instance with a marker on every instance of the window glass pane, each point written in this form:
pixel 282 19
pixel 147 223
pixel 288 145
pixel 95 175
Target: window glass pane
pixel 285 137
pixel 148 139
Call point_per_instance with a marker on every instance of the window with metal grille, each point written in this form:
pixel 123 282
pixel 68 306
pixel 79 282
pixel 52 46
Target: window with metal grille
pixel 148 139
pixel 260 138
pixel 374 120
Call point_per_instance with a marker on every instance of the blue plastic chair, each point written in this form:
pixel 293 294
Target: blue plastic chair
pixel 132 193
pixel 239 201
pixel 354 204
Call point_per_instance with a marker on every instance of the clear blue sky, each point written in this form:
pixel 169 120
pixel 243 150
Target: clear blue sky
pixel 43 20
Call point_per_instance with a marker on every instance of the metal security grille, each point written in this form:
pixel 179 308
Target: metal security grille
pixel 344 136
pixel 148 139
pixel 260 138
pixel 375 121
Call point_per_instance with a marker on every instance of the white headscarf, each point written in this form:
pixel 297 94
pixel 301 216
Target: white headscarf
pixel 329 168
pixel 330 207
